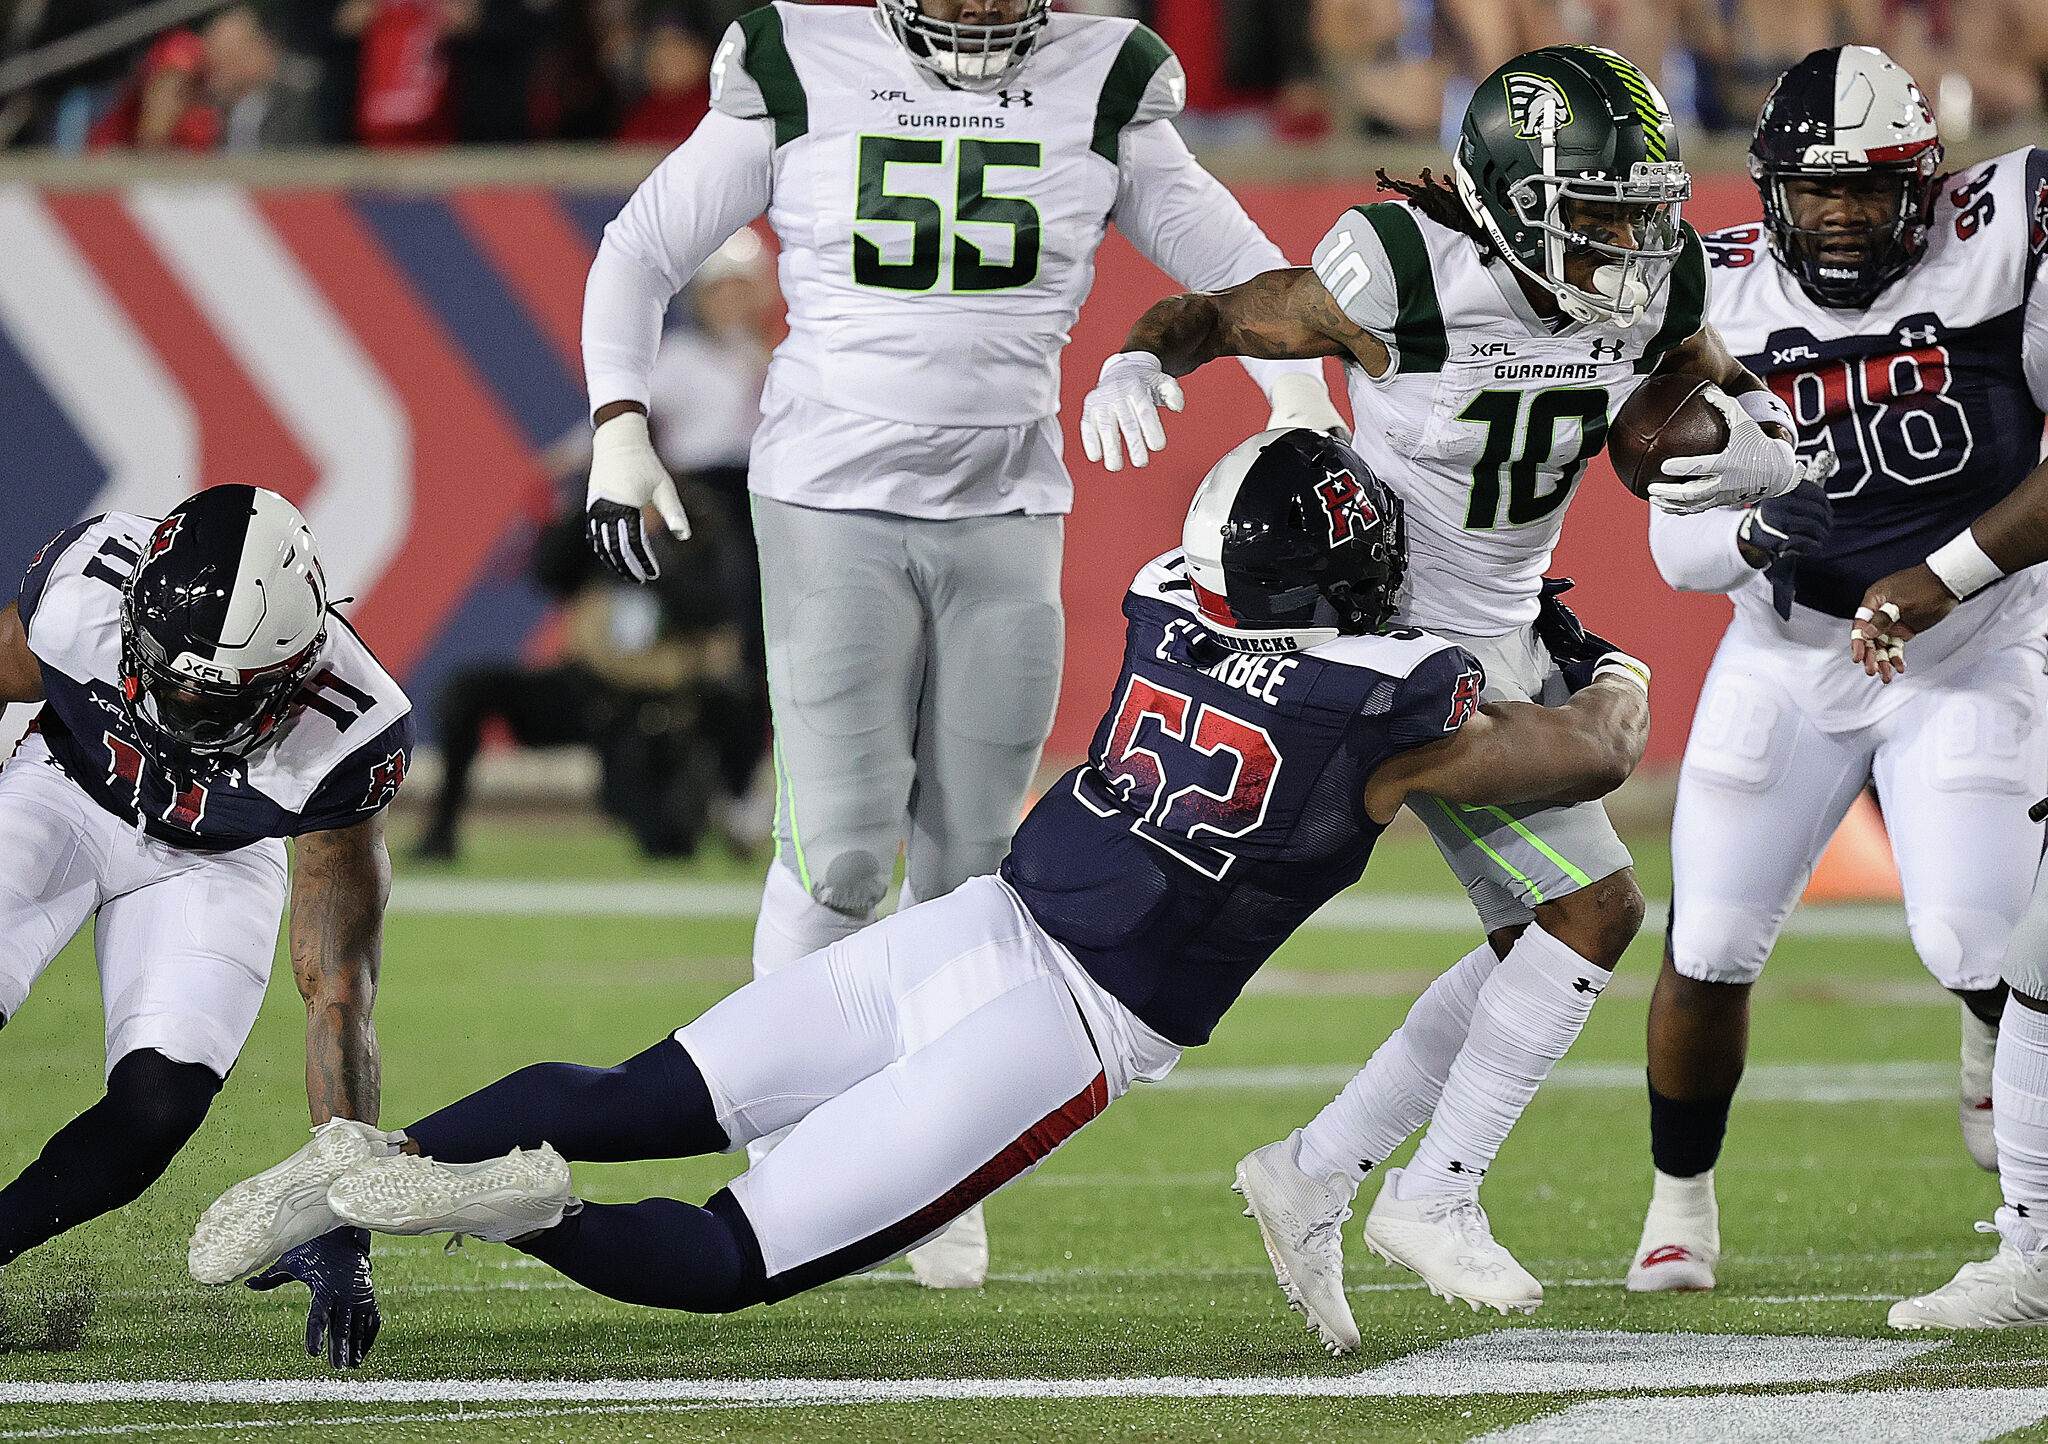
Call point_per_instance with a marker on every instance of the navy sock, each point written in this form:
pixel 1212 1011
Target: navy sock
pixel 660 1252
pixel 653 1105
pixel 1686 1133
pixel 106 1156
pixel 1987 1005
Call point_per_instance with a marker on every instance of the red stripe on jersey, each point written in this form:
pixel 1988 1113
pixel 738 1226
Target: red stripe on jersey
pixel 241 439
pixel 1030 1147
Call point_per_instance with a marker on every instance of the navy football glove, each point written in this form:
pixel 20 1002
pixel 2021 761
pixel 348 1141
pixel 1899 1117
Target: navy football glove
pixel 1790 525
pixel 343 1320
pixel 1785 528
pixel 1576 651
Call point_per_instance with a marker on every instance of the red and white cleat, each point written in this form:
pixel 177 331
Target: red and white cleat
pixel 1681 1238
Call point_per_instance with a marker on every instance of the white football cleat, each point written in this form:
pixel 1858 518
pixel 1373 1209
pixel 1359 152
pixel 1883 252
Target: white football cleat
pixel 497 1200
pixel 1301 1221
pixel 2009 1290
pixel 957 1258
pixel 1980 1050
pixel 261 1219
pixel 1446 1239
pixel 1681 1238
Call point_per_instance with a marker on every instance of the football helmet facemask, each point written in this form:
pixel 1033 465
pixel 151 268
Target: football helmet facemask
pixel 1561 147
pixel 222 621
pixel 1848 110
pixel 1291 541
pixel 978 57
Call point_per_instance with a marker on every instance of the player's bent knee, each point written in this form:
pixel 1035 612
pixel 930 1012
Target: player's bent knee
pixel 1962 947
pixel 160 1103
pixel 1719 944
pixel 1598 921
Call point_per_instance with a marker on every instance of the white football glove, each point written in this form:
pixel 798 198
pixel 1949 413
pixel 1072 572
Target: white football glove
pixel 1300 399
pixel 626 475
pixel 1123 410
pixel 1753 465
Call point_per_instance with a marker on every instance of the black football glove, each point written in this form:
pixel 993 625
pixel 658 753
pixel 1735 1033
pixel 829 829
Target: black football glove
pixel 1576 651
pixel 342 1321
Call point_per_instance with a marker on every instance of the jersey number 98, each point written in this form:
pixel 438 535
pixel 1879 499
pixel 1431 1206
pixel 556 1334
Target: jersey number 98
pixel 930 230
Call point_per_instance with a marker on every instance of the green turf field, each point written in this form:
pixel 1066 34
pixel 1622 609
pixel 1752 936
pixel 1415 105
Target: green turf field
pixel 1125 1275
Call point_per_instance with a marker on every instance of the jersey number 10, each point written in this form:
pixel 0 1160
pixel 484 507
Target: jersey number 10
pixel 1500 412
pixel 930 230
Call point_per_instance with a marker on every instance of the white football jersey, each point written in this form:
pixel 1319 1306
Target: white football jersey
pixel 1489 414
pixel 985 209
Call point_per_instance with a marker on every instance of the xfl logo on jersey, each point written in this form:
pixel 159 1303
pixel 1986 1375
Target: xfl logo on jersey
pixel 1345 507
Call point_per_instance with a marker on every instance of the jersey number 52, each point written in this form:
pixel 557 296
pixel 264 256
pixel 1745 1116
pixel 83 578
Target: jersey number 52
pixel 1187 769
pixel 931 235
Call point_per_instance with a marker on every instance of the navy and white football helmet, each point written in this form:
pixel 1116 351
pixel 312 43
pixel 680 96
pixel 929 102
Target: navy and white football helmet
pixel 1291 542
pixel 1848 110
pixel 222 622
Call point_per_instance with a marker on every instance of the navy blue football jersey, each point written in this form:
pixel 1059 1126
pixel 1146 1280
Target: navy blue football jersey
pixel 337 759
pixel 1931 399
pixel 1223 801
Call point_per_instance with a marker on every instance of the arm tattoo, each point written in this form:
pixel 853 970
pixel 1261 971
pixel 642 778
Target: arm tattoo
pixel 340 881
pixel 1279 316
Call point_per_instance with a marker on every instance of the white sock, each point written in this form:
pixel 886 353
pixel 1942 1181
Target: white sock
pixel 1394 1093
pixel 2019 1110
pixel 793 924
pixel 1529 1013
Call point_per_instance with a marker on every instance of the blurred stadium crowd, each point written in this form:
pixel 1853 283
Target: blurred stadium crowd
pixel 412 73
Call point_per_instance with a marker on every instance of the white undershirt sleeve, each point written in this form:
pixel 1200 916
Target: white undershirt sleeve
pixel 1698 553
pixel 709 186
pixel 1186 223
pixel 2034 338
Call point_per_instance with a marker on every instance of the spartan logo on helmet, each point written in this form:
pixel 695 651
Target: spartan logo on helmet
pixel 1536 104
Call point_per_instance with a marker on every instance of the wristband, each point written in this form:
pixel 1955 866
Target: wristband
pixel 1623 667
pixel 1762 406
pixel 1963 567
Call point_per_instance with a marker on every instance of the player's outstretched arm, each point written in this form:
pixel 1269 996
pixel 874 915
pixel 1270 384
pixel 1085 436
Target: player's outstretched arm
pixel 1285 315
pixel 1516 752
pixel 21 679
pixel 2010 537
pixel 341 880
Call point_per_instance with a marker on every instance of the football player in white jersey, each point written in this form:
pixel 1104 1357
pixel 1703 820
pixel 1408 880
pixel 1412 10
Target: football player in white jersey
pixel 1898 312
pixel 200 704
pixel 940 174
pixel 1490 333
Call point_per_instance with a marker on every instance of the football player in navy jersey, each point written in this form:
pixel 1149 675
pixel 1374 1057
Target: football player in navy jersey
pixel 1265 729
pixel 200 703
pixel 1900 314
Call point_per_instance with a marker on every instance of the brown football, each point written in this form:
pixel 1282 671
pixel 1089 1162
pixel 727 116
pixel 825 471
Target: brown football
pixel 1666 417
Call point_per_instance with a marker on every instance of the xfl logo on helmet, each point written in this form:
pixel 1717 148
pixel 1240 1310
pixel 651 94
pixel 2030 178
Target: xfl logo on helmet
pixel 1345 507
pixel 166 532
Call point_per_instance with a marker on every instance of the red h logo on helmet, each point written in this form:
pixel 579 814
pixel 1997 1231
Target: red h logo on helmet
pixel 1345 506
pixel 166 532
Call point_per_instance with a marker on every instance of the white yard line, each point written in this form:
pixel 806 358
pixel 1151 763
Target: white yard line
pixel 1500 1361
pixel 1353 912
pixel 1761 1082
pixel 1933 1416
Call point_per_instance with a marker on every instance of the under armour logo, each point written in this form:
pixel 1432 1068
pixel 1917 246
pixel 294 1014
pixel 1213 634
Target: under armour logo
pixel 1584 985
pixel 1916 335
pixel 1607 350
pixel 1457 1167
pixel 1021 97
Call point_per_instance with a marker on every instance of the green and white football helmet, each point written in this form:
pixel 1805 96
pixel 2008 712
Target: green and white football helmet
pixel 1558 145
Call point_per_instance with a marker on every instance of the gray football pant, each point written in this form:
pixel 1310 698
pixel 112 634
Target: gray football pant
pixel 913 666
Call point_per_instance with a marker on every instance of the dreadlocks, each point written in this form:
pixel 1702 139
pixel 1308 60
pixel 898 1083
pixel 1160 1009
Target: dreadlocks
pixel 1438 201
